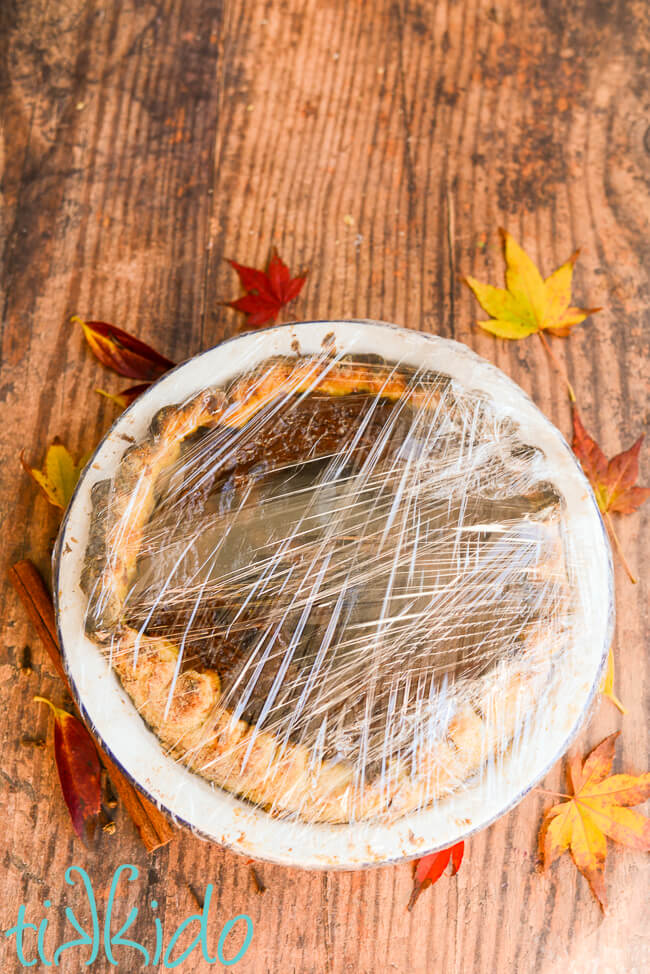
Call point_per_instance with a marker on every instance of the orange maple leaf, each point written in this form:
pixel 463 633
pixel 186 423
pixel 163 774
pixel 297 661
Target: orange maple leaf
pixel 613 481
pixel 429 869
pixel 599 807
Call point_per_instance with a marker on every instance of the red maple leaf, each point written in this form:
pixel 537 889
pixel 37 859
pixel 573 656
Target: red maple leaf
pixel 613 481
pixel 429 869
pixel 124 353
pixel 79 769
pixel 267 292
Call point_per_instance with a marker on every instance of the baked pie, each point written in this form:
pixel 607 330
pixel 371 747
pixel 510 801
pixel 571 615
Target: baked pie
pixel 337 588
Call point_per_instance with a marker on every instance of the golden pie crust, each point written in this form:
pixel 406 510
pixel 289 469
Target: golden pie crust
pixel 193 724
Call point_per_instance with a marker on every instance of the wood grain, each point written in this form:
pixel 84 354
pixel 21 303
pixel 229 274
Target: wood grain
pixel 381 145
pixel 154 828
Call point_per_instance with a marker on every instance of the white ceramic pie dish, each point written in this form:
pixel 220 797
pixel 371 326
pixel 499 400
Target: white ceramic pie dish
pixel 235 823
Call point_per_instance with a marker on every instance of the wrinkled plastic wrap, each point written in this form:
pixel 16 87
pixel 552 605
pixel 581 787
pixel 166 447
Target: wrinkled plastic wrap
pixel 339 588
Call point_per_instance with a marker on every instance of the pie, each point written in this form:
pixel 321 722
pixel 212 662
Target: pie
pixel 337 588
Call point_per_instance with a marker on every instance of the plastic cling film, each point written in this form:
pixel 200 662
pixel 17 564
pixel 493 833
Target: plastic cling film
pixel 339 588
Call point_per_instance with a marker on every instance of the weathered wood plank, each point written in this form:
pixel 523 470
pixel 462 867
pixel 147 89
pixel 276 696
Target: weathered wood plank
pixel 379 145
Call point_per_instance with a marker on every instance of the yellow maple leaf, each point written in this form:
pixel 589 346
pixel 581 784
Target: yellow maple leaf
pixel 607 686
pixel 599 808
pixel 528 303
pixel 59 475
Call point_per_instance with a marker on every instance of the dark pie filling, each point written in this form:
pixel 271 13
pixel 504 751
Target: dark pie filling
pixel 296 620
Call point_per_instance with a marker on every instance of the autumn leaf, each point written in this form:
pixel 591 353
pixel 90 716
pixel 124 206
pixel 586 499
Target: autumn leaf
pixel 429 869
pixel 607 686
pixel 59 475
pixel 528 303
pixel 613 481
pixel 123 353
pixel 126 396
pixel 78 766
pixel 599 808
pixel 267 292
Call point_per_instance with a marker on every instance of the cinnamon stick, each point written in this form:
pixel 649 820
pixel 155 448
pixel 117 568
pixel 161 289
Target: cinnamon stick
pixel 154 828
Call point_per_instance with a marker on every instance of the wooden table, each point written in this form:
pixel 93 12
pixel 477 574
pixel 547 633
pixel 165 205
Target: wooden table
pixel 380 145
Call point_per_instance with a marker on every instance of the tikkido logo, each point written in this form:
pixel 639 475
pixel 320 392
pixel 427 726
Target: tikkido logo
pixel 30 938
